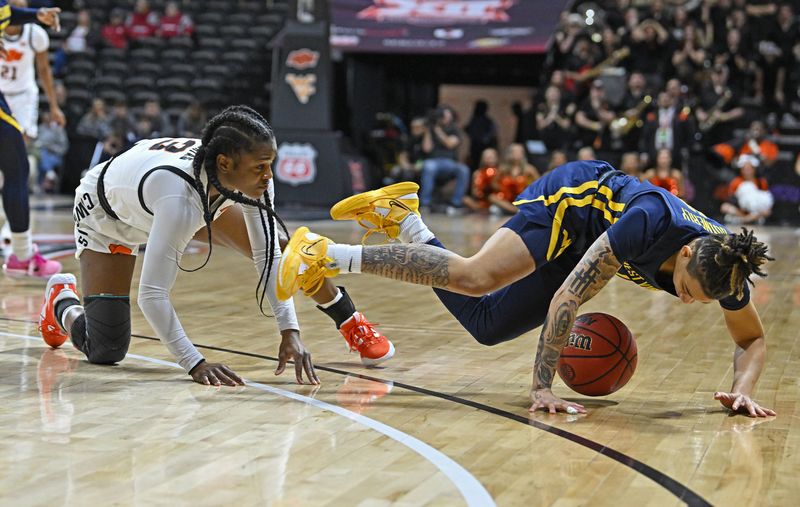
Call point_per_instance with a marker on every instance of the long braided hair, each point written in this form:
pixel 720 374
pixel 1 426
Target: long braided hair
pixel 723 263
pixel 235 130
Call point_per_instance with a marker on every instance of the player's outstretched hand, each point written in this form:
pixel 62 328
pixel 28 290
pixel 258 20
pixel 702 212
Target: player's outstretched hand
pixel 742 404
pixel 215 374
pixel 546 400
pixel 49 16
pixel 292 349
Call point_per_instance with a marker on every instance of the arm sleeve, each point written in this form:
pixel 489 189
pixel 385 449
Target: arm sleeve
pixel 284 311
pixel 21 16
pixel 643 222
pixel 175 220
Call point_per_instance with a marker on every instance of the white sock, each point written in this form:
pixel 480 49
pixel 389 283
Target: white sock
pixel 346 257
pixel 22 245
pixel 333 301
pixel 414 230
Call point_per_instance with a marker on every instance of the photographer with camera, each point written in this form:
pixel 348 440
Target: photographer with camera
pixel 440 144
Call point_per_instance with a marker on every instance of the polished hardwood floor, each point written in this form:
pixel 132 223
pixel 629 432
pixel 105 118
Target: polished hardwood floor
pixel 443 423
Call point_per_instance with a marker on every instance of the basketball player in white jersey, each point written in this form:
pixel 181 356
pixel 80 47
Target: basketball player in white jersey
pixel 27 55
pixel 166 192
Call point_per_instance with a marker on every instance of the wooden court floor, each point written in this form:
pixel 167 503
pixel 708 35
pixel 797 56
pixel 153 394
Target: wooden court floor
pixel 443 423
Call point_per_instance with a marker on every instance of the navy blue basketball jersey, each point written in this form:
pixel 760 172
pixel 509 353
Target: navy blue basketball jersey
pixel 645 224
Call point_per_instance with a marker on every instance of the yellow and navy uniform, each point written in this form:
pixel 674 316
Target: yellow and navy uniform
pixel 560 216
pixel 12 16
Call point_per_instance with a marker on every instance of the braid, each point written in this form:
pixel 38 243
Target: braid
pixel 236 129
pixel 724 262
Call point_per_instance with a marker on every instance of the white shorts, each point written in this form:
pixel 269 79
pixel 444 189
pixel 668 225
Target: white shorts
pixel 96 231
pixel 25 109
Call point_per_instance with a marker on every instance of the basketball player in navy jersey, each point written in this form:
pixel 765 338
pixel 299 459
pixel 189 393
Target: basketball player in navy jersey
pixel 577 227
pixel 25 259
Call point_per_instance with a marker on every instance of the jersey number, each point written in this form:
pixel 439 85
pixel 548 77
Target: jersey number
pixel 172 146
pixel 9 73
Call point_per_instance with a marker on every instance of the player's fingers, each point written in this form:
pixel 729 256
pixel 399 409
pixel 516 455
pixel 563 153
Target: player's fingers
pixel 298 371
pixel 309 366
pixel 281 366
pixel 769 411
pixel 760 412
pixel 736 403
pixel 224 378
pixel 213 379
pixel 205 380
pixel 230 373
pixel 552 408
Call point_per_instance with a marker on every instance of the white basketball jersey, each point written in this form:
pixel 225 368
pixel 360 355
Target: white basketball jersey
pixel 18 69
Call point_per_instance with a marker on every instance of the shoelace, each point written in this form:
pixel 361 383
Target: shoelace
pixel 374 222
pixel 368 333
pixel 315 277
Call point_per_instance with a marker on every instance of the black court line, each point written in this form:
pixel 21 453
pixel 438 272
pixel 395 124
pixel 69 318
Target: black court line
pixel 681 491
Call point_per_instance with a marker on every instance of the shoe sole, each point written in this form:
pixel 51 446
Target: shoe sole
pixel 19 274
pixel 346 209
pixel 374 362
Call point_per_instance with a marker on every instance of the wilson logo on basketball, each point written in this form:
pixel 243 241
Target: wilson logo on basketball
pixel 296 164
pixel 580 341
pixel 13 56
pixel 302 59
pixel 303 86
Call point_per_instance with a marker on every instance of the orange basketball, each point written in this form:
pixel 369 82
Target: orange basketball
pixel 600 356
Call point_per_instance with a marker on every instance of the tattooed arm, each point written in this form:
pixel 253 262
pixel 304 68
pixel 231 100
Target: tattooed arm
pixel 591 274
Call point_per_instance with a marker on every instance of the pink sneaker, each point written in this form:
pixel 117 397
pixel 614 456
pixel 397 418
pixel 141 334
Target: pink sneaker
pixel 36 267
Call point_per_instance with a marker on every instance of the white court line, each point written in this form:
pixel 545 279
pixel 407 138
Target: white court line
pixel 471 489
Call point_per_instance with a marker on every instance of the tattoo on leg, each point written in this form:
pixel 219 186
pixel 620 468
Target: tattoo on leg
pixel 419 264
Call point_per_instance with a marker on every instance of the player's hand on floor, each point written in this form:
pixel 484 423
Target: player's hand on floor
pixel 546 400
pixel 292 349
pixel 215 374
pixel 742 404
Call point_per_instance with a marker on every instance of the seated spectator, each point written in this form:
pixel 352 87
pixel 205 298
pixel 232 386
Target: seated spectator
pixel 160 125
pixel 52 144
pixel 410 156
pixel 750 201
pixel 142 22
pixel 114 33
pixel 557 159
pixel 664 175
pixel 174 23
pixel 481 130
pixel 440 144
pixel 192 120
pixel 483 180
pixel 106 148
pixel 122 123
pixel 754 143
pixel 630 164
pixel 144 128
pixel 587 153
pixel 82 37
pixel 514 175
pixel 95 122
pixel 668 127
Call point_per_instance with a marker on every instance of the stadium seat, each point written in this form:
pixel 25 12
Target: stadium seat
pixel 142 54
pixel 172 85
pixel 112 54
pixel 203 31
pixel 114 67
pixel 77 80
pixel 80 67
pixel 138 83
pixel 211 18
pixel 107 82
pixel 181 42
pixel 204 57
pixel 179 100
pixel 146 68
pixel 186 71
pixel 214 43
pixel 174 55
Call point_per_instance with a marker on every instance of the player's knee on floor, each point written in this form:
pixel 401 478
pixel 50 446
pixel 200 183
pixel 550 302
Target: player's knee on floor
pixel 108 328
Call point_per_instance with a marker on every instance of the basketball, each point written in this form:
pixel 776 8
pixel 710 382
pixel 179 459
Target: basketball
pixel 600 356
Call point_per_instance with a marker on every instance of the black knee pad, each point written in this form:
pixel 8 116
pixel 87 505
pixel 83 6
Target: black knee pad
pixel 108 328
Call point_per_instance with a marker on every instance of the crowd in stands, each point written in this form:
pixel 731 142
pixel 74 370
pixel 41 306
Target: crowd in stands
pixel 648 86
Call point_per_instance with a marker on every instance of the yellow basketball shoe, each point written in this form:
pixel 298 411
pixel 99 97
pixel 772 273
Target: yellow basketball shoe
pixel 380 210
pixel 304 264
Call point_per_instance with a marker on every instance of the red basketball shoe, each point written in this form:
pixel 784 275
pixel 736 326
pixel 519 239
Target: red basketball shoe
pixel 362 336
pixel 59 287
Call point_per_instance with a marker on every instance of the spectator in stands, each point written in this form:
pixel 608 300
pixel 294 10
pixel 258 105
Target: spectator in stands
pixel 553 119
pixel 144 128
pixel 557 158
pixel 483 181
pixel 160 125
pixel 689 55
pixel 668 127
pixel 175 23
pixel 740 62
pixel 411 155
pixel 664 175
pixel 440 144
pixel 95 123
pixel 636 103
pixel 770 75
pixel 114 33
pixel 593 117
pixel 630 164
pixel 649 51
pixel 587 153
pixel 192 120
pixel 525 114
pixel 584 57
pixel 122 123
pixel 481 130
pixel 142 22
pixel 719 110
pixel 566 36
pixel 751 201
pixel 52 144
pixel 82 37
pixel 715 17
pixel 755 143
pixel 515 174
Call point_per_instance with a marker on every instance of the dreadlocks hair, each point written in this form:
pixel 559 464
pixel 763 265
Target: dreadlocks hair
pixel 723 263
pixel 235 130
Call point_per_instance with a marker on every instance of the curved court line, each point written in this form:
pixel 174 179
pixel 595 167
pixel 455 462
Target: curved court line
pixel 470 488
